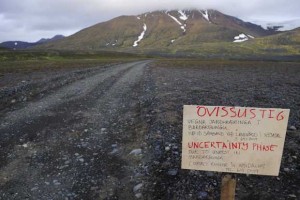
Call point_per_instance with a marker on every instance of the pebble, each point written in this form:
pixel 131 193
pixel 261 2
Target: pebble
pixel 292 128
pixel 286 169
pixel 76 154
pixel 292 196
pixel 172 172
pixel 94 188
pixel 114 151
pixel 81 159
pixel 138 195
pixel 202 195
pixel 13 101
pixel 55 182
pixel 25 145
pixel 34 188
pixel 137 187
pixel 167 148
pixel 136 152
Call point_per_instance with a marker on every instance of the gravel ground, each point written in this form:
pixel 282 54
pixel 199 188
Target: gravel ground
pixel 115 133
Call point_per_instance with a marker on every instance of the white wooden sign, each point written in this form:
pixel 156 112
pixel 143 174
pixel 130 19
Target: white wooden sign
pixel 233 139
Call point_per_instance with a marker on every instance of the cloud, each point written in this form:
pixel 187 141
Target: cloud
pixel 32 19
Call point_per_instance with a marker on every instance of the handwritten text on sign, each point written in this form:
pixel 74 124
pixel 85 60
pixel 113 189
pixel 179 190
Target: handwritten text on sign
pixel 233 139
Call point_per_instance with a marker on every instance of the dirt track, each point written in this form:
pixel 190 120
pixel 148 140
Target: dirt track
pixel 116 134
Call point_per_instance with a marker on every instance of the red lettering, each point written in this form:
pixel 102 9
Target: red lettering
pixel 253 113
pixel 262 147
pixel 232 109
pixel 224 109
pixel 272 147
pixel 270 114
pixel 206 144
pixel 212 112
pixel 280 116
pixel 242 115
pixel 212 145
pixel 199 111
pixel 234 145
pixel 263 113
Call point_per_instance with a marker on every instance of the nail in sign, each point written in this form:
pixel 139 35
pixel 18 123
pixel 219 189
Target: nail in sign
pixel 233 139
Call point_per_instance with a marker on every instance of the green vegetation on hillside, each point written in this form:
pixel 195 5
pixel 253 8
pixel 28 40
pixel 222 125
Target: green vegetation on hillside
pixel 26 61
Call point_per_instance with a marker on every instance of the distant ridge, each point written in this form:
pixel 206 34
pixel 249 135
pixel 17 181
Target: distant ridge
pixel 205 33
pixel 17 45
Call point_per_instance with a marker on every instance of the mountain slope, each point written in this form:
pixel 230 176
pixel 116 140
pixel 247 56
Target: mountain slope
pixel 207 33
pixel 24 45
pixel 164 29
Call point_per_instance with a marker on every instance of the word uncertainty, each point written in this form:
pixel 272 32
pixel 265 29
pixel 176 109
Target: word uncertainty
pixel 233 139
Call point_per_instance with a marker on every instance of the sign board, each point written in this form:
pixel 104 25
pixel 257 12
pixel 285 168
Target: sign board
pixel 233 139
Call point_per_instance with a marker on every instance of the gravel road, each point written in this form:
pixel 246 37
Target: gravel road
pixel 116 133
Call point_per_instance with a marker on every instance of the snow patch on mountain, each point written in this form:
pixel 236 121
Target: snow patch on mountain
pixel 205 15
pixel 141 36
pixel 175 19
pixel 241 38
pixel 183 16
pixel 182 26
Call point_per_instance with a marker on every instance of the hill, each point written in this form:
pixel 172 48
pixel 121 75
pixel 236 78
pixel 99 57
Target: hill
pixel 17 45
pixel 179 32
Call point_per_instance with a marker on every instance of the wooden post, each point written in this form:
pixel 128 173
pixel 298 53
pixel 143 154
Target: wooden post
pixel 228 187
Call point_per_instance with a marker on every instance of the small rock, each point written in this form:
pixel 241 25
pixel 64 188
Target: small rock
pixel 137 187
pixel 172 172
pixel 47 183
pixel 202 195
pixel 292 128
pixel 34 188
pixel 114 151
pixel 55 182
pixel 13 101
pixel 136 152
pixel 81 159
pixel 86 130
pixel 167 148
pixel 25 145
pixel 286 169
pixel 94 188
pixel 76 154
pixel 114 145
pixel 292 196
pixel 138 195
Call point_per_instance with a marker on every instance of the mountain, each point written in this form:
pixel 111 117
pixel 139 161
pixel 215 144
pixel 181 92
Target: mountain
pixel 180 32
pixel 16 45
pixel 45 40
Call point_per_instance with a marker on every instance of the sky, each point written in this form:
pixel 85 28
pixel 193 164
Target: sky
pixel 31 20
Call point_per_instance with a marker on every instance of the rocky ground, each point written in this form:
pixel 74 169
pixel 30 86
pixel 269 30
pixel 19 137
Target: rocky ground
pixel 114 132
